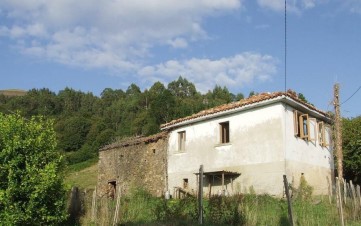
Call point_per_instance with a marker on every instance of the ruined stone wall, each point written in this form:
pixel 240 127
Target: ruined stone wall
pixel 136 163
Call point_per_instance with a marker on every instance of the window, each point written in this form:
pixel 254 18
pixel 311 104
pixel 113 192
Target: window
pixel 185 183
pixel 311 129
pixel 324 134
pixel 321 133
pixel 302 125
pixel 224 132
pixel 181 140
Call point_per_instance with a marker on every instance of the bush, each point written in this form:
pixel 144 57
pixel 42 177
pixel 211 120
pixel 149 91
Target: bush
pixel 225 210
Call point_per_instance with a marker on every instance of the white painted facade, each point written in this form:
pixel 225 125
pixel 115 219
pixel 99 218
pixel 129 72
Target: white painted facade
pixel 262 148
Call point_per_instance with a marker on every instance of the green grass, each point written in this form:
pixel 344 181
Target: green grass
pixel 140 208
pixel 83 175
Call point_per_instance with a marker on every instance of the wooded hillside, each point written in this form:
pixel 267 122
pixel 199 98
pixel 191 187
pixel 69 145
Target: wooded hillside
pixel 85 122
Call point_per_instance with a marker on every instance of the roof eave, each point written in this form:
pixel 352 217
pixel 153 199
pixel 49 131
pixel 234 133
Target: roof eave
pixel 283 98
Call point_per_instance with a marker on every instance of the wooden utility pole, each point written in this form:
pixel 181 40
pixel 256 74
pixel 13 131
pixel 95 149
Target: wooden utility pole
pixel 338 131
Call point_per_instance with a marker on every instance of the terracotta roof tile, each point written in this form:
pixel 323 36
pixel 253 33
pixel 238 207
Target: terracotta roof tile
pixel 244 102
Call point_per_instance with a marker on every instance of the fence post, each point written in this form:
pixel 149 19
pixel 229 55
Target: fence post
pixel 200 195
pixel 94 207
pixel 339 199
pixel 359 194
pixel 116 213
pixel 290 214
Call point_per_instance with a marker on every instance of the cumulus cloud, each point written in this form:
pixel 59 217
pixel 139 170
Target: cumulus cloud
pixel 235 71
pixel 114 34
pixel 295 6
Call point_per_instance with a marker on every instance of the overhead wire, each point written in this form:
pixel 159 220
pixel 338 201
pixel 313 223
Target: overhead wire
pixel 285 46
pixel 351 96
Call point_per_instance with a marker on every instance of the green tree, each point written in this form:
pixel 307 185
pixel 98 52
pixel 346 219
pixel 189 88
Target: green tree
pixel 31 189
pixel 351 145
pixel 72 132
pixel 182 88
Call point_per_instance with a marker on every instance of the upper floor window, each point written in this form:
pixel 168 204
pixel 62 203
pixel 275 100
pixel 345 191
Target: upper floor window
pixel 301 125
pixel 311 129
pixel 224 132
pixel 181 140
pixel 324 134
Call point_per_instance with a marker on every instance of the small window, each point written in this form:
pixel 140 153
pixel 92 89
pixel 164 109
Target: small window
pixel 181 140
pixel 185 183
pixel 321 133
pixel 301 125
pixel 312 130
pixel 328 136
pixel 224 132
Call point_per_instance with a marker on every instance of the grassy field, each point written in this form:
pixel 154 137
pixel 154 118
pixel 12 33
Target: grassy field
pixel 140 208
pixel 83 175
pixel 13 92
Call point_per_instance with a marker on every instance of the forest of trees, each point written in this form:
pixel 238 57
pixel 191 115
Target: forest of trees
pixel 85 122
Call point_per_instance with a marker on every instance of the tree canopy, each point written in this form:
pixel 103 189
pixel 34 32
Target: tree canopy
pixel 85 122
pixel 31 188
pixel 351 145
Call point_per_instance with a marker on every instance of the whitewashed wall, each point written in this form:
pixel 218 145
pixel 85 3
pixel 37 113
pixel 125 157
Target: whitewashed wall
pixel 255 150
pixel 262 148
pixel 308 158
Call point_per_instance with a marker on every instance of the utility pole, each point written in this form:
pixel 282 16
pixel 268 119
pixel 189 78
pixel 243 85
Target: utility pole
pixel 338 131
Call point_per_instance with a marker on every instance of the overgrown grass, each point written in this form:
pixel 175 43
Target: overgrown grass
pixel 83 175
pixel 140 208
pixel 72 168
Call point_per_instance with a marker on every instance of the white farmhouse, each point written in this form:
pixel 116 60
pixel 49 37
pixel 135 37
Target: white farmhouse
pixel 249 145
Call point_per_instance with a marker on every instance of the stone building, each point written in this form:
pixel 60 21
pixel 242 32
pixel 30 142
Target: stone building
pixel 135 162
pixel 246 145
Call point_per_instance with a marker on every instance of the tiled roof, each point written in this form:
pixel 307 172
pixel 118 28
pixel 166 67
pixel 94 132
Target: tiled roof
pixel 130 141
pixel 242 103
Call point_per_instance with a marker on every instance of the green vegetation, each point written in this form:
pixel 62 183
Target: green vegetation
pixel 140 208
pixel 83 175
pixel 84 122
pixel 351 144
pixel 31 187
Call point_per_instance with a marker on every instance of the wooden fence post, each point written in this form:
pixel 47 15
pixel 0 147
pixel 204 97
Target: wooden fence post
pixel 94 207
pixel 339 200
pixel 200 195
pixel 290 214
pixel 359 194
pixel 116 213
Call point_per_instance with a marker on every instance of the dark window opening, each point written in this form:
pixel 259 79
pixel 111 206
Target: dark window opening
pixel 224 132
pixel 185 183
pixel 112 185
pixel 181 140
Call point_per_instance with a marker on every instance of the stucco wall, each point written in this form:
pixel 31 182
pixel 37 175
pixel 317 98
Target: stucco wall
pixel 309 158
pixel 262 149
pixel 255 150
pixel 139 164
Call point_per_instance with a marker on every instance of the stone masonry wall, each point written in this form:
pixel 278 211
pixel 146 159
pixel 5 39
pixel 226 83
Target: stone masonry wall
pixel 134 163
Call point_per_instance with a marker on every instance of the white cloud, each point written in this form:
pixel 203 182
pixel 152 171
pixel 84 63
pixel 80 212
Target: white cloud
pixel 293 6
pixel 309 3
pixel 235 71
pixel 178 43
pixel 111 34
pixel 353 5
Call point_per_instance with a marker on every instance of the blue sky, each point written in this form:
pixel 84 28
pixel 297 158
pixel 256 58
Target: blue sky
pixel 91 45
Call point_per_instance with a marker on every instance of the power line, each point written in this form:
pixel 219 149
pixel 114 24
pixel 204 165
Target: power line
pixel 351 96
pixel 285 45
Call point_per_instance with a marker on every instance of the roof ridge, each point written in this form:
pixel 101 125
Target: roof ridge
pixel 243 102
